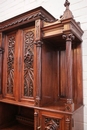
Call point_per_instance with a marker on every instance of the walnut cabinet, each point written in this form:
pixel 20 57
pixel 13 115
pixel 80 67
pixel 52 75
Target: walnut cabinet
pixel 40 71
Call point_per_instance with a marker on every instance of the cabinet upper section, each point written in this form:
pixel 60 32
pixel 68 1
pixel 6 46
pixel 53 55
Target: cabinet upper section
pixel 49 26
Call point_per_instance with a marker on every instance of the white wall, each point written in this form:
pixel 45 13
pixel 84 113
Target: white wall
pixel 11 8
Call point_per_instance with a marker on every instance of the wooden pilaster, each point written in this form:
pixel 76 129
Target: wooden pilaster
pixel 69 106
pixel 38 42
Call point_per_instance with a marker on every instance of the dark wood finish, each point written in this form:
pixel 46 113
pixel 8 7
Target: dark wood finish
pixel 40 71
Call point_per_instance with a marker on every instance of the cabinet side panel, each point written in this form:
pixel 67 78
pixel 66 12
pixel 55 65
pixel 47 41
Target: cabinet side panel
pixel 47 74
pixel 62 72
pixel 79 75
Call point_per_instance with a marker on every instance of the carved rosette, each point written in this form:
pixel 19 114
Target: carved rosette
pixel 28 63
pixel 52 123
pixel 10 65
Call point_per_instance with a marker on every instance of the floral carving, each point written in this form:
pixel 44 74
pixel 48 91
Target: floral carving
pixel 10 64
pixel 28 64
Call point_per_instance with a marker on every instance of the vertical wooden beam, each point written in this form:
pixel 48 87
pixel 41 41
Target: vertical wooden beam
pixel 1 52
pixel 37 120
pixel 38 42
pixel 69 87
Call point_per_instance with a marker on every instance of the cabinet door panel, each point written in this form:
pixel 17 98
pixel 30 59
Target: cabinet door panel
pixel 28 65
pixel 51 120
pixel 9 66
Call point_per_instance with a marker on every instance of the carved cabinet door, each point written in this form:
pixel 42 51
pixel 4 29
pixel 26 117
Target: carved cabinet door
pixel 9 66
pixel 19 65
pixel 27 65
pixel 51 121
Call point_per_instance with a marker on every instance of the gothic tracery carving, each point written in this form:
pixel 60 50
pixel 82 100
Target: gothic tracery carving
pixel 10 65
pixel 28 64
pixel 52 124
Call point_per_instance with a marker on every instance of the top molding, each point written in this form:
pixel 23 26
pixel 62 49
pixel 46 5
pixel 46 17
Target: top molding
pixel 30 16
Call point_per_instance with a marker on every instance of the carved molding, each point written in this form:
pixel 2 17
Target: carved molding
pixel 68 37
pixel 10 64
pixel 52 123
pixel 26 19
pixel 28 64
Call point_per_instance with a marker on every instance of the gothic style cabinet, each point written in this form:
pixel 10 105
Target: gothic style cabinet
pixel 41 72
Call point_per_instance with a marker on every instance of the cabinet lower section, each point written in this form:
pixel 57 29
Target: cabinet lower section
pixel 24 118
pixel 58 120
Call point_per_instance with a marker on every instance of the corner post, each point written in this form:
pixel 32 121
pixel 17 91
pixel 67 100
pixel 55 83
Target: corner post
pixel 1 53
pixel 38 42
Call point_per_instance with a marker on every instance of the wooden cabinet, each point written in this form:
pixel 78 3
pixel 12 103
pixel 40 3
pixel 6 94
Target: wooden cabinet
pixel 40 71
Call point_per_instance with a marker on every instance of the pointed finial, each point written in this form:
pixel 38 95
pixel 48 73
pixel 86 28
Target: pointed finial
pixel 67 13
pixel 67 3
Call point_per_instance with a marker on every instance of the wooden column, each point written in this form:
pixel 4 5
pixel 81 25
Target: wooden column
pixel 1 52
pixel 38 42
pixel 69 88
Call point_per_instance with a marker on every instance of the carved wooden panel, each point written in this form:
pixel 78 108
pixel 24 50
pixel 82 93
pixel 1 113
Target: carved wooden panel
pixel 10 64
pixel 28 63
pixel 52 123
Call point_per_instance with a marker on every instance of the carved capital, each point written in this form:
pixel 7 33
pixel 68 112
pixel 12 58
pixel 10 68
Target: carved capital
pixel 1 50
pixel 38 43
pixel 68 37
pixel 69 105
